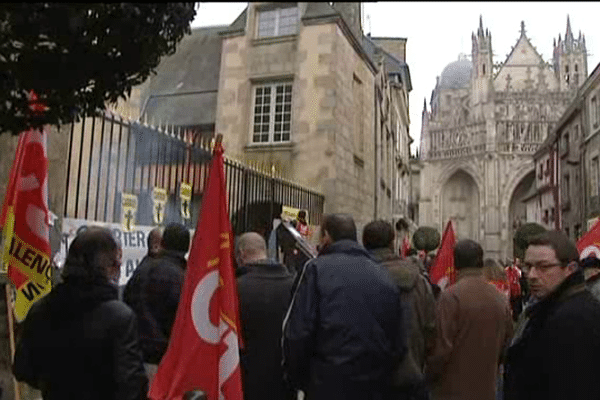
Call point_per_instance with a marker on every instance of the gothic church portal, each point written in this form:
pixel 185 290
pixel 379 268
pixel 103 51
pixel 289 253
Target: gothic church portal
pixel 485 122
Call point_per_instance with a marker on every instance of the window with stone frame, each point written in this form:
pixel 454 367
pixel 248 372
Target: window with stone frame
pixel 595 111
pixel 594 169
pixel 277 22
pixel 272 114
pixel 566 189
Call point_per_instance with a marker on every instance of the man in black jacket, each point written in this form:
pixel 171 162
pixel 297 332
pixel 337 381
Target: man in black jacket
pixel 153 293
pixel 343 335
pixel 264 294
pixel 80 342
pixel 554 354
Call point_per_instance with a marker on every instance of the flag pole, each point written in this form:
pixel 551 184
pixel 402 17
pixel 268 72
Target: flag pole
pixel 11 336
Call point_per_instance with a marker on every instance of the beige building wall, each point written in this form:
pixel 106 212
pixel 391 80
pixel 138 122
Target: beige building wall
pixel 331 147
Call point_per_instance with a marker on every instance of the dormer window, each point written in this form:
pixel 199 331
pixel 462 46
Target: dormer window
pixel 278 22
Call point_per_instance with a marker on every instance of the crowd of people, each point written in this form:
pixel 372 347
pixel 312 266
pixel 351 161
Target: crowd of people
pixel 359 321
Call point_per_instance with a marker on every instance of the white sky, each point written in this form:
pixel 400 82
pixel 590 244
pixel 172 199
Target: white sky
pixel 438 31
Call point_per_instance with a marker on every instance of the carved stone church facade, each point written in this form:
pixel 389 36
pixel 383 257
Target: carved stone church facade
pixel 485 122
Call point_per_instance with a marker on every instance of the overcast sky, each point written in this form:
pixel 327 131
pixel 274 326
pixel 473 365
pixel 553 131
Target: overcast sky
pixel 438 32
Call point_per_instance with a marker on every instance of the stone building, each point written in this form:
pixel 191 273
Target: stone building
pixel 486 120
pixel 590 97
pixel 298 89
pixel 565 195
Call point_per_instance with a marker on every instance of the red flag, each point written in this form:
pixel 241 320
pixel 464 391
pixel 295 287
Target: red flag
pixel 203 352
pixel 589 243
pixel 26 222
pixel 405 247
pixel 442 271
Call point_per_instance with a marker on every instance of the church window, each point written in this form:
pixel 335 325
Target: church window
pixel 272 113
pixel 575 67
pixel 483 70
pixel 278 22
pixel 567 74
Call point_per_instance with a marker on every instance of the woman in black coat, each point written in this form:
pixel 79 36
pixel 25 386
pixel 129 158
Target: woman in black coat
pixel 80 342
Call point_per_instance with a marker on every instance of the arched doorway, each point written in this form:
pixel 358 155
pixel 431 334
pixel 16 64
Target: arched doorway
pixel 460 202
pixel 517 211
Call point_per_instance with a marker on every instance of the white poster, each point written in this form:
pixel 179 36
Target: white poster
pixel 133 243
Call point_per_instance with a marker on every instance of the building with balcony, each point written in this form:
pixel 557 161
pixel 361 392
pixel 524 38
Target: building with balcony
pixel 484 123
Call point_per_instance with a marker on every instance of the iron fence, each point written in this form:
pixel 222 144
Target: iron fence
pixel 110 156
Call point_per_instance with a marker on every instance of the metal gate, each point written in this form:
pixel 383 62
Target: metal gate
pixel 110 156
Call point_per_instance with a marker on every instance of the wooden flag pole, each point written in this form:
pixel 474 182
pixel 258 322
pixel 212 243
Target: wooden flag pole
pixel 11 335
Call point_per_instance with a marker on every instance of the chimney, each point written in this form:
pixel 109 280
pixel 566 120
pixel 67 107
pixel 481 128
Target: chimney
pixel 351 13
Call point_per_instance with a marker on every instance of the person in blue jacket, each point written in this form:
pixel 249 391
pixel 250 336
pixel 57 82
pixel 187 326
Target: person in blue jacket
pixel 343 334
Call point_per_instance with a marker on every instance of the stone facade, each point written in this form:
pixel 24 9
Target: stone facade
pixel 485 122
pixel 349 121
pixel 590 98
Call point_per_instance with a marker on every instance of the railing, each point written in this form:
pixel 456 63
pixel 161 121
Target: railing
pixel 109 156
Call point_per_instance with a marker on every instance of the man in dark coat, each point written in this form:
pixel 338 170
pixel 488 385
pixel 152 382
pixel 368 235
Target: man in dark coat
pixel 555 352
pixel 417 298
pixel 343 335
pixel 153 293
pixel 80 342
pixel 264 293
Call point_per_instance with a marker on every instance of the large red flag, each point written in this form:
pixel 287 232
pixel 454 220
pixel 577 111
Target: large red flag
pixel 203 351
pixel 26 222
pixel 589 243
pixel 442 272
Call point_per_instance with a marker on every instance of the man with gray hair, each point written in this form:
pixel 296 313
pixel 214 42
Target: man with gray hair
pixel 264 293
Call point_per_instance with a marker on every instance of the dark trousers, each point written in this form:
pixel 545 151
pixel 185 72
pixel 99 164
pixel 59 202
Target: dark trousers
pixel 412 392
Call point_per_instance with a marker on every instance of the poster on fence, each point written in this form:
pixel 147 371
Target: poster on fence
pixel 134 243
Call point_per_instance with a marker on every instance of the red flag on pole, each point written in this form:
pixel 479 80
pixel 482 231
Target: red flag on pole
pixel 442 272
pixel 25 221
pixel 203 352
pixel 589 244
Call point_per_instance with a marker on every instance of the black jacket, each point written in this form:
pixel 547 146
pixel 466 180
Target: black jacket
pixel 557 355
pixel 344 333
pixel 264 295
pixel 153 292
pixel 80 342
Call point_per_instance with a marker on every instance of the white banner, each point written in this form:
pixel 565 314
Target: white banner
pixel 134 243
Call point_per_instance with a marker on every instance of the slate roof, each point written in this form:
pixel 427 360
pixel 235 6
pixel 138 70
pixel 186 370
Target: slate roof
pixel 392 64
pixel 184 90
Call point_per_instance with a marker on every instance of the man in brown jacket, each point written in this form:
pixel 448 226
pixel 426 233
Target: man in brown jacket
pixel 474 326
pixel 418 301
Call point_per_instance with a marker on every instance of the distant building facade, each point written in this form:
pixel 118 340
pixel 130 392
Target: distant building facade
pixel 485 122
pixel 297 89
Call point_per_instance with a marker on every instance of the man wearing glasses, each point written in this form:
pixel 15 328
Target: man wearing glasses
pixel 556 349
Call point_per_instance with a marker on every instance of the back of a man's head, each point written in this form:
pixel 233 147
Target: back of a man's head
pixel 176 237
pixel 154 242
pixel 378 234
pixel 564 248
pixel 251 246
pixel 468 254
pixel 339 227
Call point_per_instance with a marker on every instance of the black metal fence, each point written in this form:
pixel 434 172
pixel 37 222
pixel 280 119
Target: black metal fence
pixel 110 156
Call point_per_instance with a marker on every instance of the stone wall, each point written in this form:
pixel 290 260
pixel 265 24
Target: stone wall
pixel 324 153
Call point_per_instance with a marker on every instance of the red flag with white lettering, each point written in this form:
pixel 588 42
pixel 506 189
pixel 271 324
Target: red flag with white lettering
pixel 25 219
pixel 442 272
pixel 203 352
pixel 589 244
